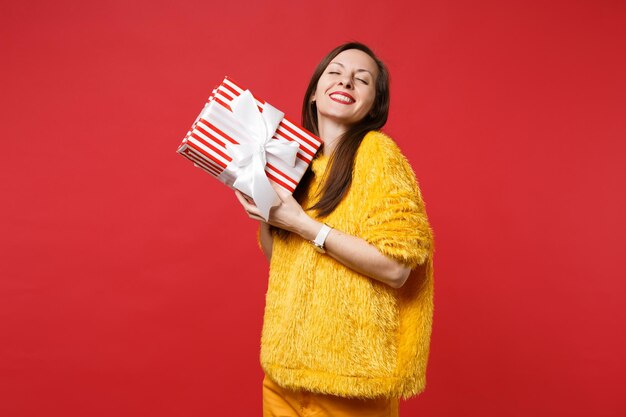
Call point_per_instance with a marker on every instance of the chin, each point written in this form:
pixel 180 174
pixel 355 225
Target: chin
pixel 341 118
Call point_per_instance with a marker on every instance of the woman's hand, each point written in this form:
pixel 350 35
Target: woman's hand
pixel 249 206
pixel 288 214
pixel 352 251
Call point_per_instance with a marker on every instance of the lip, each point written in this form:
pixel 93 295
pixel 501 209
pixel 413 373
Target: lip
pixel 341 93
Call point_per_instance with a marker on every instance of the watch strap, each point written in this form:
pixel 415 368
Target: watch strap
pixel 322 235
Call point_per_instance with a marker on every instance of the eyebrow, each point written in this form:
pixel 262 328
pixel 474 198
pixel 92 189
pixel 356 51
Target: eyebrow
pixel 359 70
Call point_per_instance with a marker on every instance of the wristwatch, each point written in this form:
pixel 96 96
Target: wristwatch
pixel 318 243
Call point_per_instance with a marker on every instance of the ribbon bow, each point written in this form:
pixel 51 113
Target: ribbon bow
pixel 255 131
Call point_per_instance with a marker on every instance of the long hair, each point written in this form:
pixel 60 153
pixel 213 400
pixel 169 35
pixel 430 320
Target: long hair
pixel 338 179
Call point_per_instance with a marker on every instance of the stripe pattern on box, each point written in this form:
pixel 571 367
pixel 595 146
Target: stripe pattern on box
pixel 205 143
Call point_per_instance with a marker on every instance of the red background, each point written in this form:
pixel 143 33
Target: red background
pixel 131 283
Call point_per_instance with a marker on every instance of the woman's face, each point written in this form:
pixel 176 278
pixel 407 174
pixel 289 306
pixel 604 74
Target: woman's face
pixel 346 90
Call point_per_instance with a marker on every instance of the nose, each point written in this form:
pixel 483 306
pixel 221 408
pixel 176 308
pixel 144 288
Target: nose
pixel 346 82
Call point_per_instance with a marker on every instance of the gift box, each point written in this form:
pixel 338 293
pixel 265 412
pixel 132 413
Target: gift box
pixel 247 144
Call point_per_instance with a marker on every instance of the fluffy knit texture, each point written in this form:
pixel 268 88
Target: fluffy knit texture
pixel 329 329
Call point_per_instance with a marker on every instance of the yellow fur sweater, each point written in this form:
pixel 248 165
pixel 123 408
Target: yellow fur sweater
pixel 329 329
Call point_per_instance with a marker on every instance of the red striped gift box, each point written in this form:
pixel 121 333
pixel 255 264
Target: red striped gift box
pixel 205 143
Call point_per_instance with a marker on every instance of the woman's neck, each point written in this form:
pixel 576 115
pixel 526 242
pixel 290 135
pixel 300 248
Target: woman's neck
pixel 330 131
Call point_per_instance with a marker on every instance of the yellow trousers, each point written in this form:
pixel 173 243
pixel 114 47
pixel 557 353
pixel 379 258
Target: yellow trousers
pixel 281 402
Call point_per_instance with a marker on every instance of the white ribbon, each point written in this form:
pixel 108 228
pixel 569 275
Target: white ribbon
pixel 254 134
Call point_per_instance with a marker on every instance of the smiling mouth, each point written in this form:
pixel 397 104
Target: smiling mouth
pixel 342 98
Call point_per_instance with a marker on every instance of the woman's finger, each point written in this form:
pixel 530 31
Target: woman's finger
pixel 283 194
pixel 252 210
pixel 248 199
pixel 241 199
pixel 244 198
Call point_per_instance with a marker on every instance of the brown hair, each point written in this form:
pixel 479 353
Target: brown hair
pixel 338 180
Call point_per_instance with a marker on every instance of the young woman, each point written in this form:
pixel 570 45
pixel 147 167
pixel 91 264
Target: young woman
pixel 348 312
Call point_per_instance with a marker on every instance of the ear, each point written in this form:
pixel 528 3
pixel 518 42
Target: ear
pixel 313 98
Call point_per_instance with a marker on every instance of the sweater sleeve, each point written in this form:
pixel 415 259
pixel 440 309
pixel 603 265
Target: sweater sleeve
pixel 396 221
